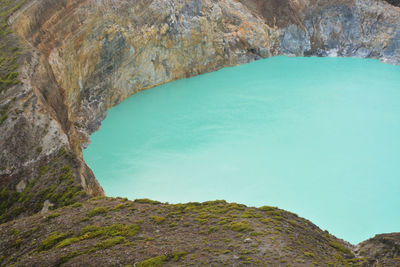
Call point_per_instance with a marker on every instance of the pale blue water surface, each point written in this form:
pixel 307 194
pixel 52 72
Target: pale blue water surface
pixel 316 136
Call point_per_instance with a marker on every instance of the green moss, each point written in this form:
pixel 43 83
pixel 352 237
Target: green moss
pixel 97 211
pixel 117 232
pixel 53 215
pixel 39 149
pixel 8 199
pixel 239 227
pixel 107 231
pixel 267 208
pixel 3 116
pixel 340 247
pixel 277 217
pixel 309 254
pixel 67 174
pixel 220 252
pixel 68 241
pixel 201 221
pixel 251 214
pixel 152 262
pixel 67 257
pixel 97 198
pixel 18 242
pixel 61 152
pixel 160 260
pixel 273 212
pixel 77 205
pixel 225 220
pixel 52 240
pixel 293 223
pixel 158 219
pixel 15 232
pixel 43 170
pixel 67 196
pixel 177 255
pixel 147 201
pixel 84 219
pixel 119 206
pixel 149 239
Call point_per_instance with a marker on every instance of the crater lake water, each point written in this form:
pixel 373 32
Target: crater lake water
pixel 319 137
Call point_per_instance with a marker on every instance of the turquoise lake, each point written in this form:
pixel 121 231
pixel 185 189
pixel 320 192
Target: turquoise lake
pixel 319 137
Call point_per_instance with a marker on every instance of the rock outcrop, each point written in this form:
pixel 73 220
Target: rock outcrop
pixel 76 58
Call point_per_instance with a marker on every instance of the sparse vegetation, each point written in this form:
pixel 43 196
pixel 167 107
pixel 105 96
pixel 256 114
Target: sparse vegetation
pixel 3 113
pixel 340 247
pixel 160 260
pixel 158 219
pixel 77 205
pixel 52 240
pixel 147 201
pixel 152 262
pixel 68 241
pixel 239 227
pixel 97 211
pixel 309 254
pixel 53 215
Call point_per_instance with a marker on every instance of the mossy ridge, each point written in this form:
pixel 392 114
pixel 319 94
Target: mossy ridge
pixel 52 240
pixel 239 239
pixel 113 235
pixel 116 232
pixel 97 211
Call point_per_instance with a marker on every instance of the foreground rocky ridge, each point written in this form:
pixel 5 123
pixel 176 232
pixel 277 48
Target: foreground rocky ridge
pixel 117 232
pixel 71 60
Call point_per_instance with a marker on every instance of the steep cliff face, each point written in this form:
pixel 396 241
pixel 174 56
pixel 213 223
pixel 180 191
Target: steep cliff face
pixel 334 28
pixel 80 57
pixel 100 52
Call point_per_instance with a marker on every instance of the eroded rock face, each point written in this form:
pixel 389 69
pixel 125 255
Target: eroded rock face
pixel 101 52
pixel 115 48
pixel 81 57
